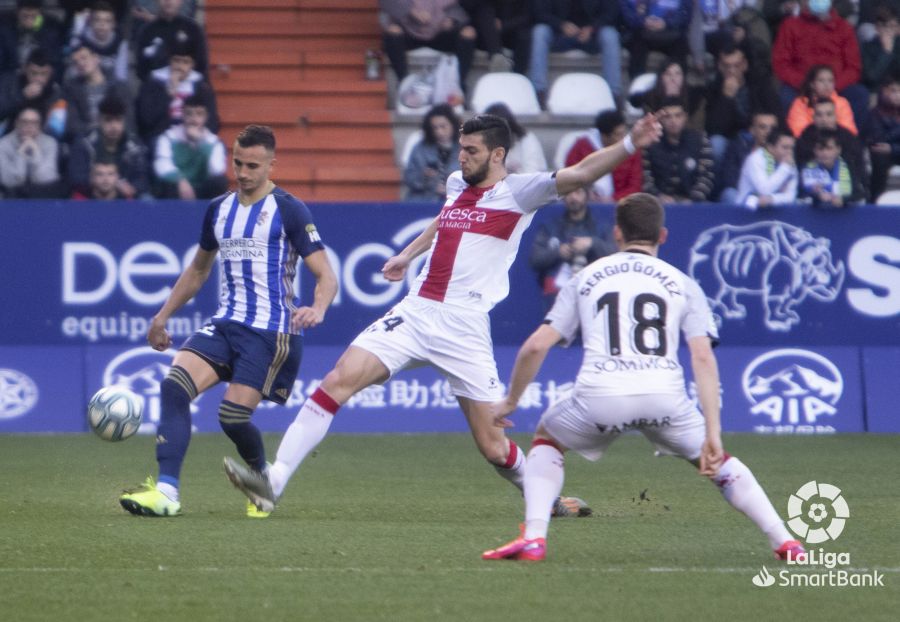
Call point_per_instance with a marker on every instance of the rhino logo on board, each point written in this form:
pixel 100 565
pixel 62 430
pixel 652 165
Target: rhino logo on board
pixel 778 263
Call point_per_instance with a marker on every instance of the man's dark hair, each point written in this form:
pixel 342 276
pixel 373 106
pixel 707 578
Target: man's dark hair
pixel 672 100
pixel 29 4
pixel 825 136
pixel 105 160
pixel 494 130
pixel 776 133
pixel 502 110
pixel 608 120
pixel 184 48
pixel 253 135
pixel 889 79
pixel 640 217
pixel 197 100
pixel 818 101
pixel 38 57
pixel 102 5
pixel 441 110
pixel 112 106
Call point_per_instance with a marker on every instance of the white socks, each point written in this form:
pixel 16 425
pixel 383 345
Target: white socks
pixel 744 493
pixel 304 434
pixel 514 469
pixel 169 490
pixel 545 472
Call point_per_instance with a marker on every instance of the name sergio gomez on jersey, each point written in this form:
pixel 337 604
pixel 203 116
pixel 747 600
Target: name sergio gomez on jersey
pixel 630 307
pixel 259 246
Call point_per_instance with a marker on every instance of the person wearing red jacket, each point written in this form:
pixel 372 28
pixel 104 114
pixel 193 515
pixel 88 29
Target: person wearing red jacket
pixel 818 34
pixel 627 177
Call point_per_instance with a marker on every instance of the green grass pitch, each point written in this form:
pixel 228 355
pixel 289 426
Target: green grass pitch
pixel 391 528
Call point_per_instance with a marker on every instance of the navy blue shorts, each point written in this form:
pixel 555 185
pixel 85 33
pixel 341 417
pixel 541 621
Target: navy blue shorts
pixel 266 360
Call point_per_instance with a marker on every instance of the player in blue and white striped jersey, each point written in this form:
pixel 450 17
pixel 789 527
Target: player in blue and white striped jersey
pixel 254 339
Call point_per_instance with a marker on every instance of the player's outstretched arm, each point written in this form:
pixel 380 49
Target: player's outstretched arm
pixel 326 290
pixel 185 288
pixel 528 362
pixel 395 267
pixel 645 132
pixel 706 375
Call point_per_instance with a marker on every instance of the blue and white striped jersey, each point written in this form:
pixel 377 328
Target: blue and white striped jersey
pixel 259 246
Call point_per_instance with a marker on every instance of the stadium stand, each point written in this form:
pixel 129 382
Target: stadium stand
pixel 299 66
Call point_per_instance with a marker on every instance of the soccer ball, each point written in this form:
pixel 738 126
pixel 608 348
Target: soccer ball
pixel 114 413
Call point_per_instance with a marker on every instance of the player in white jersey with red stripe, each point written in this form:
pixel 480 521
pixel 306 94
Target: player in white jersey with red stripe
pixel 444 319
pixel 254 340
pixel 630 308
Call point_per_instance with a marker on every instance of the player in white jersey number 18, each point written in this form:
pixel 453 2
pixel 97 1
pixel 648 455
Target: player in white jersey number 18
pixel 629 308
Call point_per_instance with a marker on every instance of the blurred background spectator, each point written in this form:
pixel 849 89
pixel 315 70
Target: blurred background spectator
pixel 882 134
pixel 439 24
pixel 818 86
pixel 190 160
pixel 434 157
pixel 818 34
pixel 33 28
pixel 728 174
pixel 588 25
pixel 655 25
pixel 28 159
pixel 33 86
pixel 157 40
pixel 679 168
pixel 769 175
pixel 84 91
pixel 627 177
pixel 502 24
pixel 827 180
pixel 102 34
pixel 110 142
pixel 825 120
pixel 881 54
pixel 526 154
pixel 161 96
pixel 566 244
pixel 104 183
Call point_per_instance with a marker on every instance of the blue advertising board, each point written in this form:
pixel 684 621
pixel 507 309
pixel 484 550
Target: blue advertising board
pixel 82 280
pixel 91 273
pixel 881 372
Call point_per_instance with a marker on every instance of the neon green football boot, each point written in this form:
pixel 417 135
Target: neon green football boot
pixel 147 500
pixel 254 512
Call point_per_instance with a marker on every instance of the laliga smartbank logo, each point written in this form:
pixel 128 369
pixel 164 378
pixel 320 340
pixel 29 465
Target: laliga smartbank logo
pixel 817 513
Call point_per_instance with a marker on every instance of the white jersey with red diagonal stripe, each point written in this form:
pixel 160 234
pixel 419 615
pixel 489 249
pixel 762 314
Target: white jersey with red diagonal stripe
pixel 478 235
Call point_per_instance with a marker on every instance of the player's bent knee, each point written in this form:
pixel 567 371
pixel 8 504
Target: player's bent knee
pixel 177 385
pixel 495 452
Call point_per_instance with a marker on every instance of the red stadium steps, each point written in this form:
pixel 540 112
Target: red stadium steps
pixel 284 66
pixel 298 65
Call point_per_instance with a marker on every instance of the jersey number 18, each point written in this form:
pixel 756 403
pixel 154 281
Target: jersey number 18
pixel 654 324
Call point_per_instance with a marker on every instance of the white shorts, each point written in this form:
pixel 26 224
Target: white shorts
pixel 418 331
pixel 588 424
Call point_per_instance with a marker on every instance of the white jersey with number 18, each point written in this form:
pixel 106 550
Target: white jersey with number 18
pixel 630 308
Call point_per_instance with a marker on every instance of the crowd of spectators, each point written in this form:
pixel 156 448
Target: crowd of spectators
pixel 107 100
pixel 108 81
pixel 735 82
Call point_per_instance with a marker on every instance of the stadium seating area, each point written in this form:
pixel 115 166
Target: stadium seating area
pixel 314 70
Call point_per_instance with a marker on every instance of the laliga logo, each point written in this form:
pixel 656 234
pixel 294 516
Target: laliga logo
pixel 817 512
pixel 18 394
pixel 141 370
pixel 778 263
pixel 788 383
